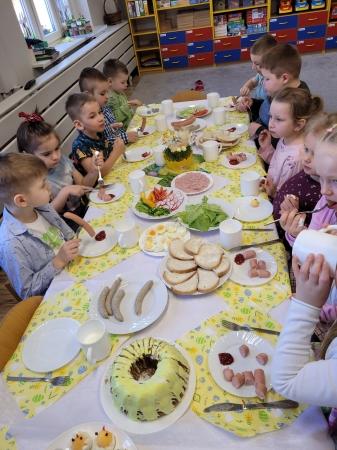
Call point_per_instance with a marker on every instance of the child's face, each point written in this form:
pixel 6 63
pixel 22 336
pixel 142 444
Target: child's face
pixel 100 92
pixel 272 83
pixel 256 61
pixel 38 194
pixel 120 82
pixel 281 122
pixel 325 160
pixel 91 119
pixel 49 151
pixel 307 154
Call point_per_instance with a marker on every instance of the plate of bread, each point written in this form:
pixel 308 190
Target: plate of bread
pixel 195 267
pixel 225 138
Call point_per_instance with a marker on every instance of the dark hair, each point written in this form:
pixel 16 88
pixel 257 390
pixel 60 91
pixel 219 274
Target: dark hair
pixel 302 104
pixel 31 131
pixel 17 172
pixel 88 78
pixel 262 45
pixel 75 103
pixel 283 58
pixel 112 67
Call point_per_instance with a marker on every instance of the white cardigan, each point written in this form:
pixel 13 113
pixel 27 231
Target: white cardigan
pixel 293 374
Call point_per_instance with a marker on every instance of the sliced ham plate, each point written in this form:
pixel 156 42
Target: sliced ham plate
pixel 193 183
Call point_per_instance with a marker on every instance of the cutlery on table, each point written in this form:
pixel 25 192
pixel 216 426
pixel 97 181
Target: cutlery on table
pixel 143 125
pixel 55 381
pixel 282 404
pixel 299 212
pixel 254 244
pixel 258 229
pixel 236 327
pixel 105 187
pixel 100 180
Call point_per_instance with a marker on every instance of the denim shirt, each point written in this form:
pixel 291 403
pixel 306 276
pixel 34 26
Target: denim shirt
pixel 26 259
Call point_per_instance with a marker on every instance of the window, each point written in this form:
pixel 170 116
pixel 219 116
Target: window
pixel 42 19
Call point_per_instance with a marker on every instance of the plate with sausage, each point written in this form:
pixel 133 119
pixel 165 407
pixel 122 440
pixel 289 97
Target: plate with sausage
pixel 130 302
pixel 238 160
pixel 240 363
pixel 191 124
pixel 193 110
pixel 107 195
pixel 137 154
pixel 253 267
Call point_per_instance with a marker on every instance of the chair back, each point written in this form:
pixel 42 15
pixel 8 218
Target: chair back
pixel 188 95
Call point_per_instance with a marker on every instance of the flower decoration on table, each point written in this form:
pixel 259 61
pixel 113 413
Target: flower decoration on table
pixel 178 156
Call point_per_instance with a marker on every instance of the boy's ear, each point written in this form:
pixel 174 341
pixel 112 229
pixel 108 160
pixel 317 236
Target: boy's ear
pixel 78 125
pixel 20 201
pixel 285 78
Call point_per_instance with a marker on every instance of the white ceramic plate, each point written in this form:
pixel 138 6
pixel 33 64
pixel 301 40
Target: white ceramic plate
pixel 154 303
pixel 52 345
pixel 149 129
pixel 247 213
pixel 189 174
pixel 240 272
pixel 240 128
pixel 250 161
pixel 117 190
pixel 226 207
pixel 197 125
pixel 147 216
pixel 180 112
pixel 162 268
pixel 137 154
pixel 63 441
pixel 90 248
pixel 230 343
pixel 132 426
pixel 148 110
pixel 184 234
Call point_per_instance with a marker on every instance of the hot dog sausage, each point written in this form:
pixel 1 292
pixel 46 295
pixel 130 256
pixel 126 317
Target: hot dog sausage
pixel 81 222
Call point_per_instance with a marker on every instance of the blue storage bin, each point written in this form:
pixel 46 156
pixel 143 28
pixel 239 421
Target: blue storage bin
pixel 250 39
pixel 282 23
pixel 227 56
pixel 176 37
pixel 331 42
pixel 199 47
pixel 176 62
pixel 316 31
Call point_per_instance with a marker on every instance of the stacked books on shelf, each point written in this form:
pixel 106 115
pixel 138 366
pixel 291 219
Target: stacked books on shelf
pixel 220 25
pixel 241 23
pixel 45 53
pixel 256 20
pixel 138 8
pixel 173 3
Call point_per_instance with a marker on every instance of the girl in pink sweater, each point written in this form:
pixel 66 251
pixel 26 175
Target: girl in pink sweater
pixel 289 112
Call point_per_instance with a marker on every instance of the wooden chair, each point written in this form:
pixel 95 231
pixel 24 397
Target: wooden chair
pixel 13 326
pixel 186 96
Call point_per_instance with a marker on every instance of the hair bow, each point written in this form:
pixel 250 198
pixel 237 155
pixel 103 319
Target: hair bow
pixel 31 117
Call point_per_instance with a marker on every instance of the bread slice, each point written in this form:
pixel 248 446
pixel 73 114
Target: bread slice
pixel 223 267
pixel 176 250
pixel 178 266
pixel 192 246
pixel 173 278
pixel 188 287
pixel 209 256
pixel 208 280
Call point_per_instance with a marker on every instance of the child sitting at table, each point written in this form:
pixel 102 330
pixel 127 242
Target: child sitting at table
pixel 259 48
pixel 88 119
pixel 294 375
pixel 68 186
pixel 289 112
pixel 93 82
pixel 35 243
pixel 118 75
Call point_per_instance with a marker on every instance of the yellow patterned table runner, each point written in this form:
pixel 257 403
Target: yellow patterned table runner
pixel 198 343
pixel 35 396
pixel 7 442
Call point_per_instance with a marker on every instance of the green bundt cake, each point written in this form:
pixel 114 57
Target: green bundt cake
pixel 148 379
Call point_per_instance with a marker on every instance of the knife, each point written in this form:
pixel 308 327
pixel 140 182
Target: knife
pixel 282 404
pixel 105 187
pixel 254 244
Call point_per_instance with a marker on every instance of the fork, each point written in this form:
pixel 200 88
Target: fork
pixel 300 212
pixel 236 327
pixel 100 180
pixel 55 381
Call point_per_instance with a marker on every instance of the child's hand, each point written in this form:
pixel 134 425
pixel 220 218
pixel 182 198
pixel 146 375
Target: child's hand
pixel 243 104
pixel 291 223
pixel 119 147
pixel 116 125
pixel 135 102
pixel 98 160
pixel 328 313
pixel 67 253
pixel 244 91
pixel 289 203
pixel 270 187
pixel 78 190
pixel 132 136
pixel 313 281
pixel 264 139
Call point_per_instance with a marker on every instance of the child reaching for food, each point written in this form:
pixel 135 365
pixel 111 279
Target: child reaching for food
pixel 290 110
pixel 293 374
pixel 68 186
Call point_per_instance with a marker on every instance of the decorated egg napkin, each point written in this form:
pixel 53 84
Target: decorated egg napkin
pixel 198 343
pixel 7 442
pixel 35 396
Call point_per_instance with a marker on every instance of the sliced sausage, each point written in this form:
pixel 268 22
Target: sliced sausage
pixel 261 265
pixel 262 358
pixel 263 273
pixel 238 380
pixel 244 350
pixel 253 263
pixel 261 390
pixel 259 376
pixel 249 378
pixel 248 254
pixel 228 374
pixel 253 273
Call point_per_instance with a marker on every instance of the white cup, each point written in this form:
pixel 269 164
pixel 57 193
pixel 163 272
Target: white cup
pixel 167 107
pixel 161 123
pixel 137 181
pixel 213 99
pixel 127 233
pixel 94 340
pixel 219 115
pixel 250 183
pixel 211 150
pixel 158 155
pixel 230 233
pixel 317 242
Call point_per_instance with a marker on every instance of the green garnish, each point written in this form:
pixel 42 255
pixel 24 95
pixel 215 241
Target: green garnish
pixel 157 211
pixel 202 216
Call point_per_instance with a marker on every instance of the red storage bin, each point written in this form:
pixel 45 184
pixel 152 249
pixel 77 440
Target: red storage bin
pixel 199 34
pixel 332 29
pixel 245 54
pixel 285 35
pixel 173 50
pixel 311 45
pixel 201 59
pixel 312 18
pixel 229 43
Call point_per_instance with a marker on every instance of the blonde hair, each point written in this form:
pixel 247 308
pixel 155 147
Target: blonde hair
pixel 302 104
pixel 263 44
pixel 17 173
pixel 328 338
pixel 320 124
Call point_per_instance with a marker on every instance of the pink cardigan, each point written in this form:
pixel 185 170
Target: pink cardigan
pixel 285 163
